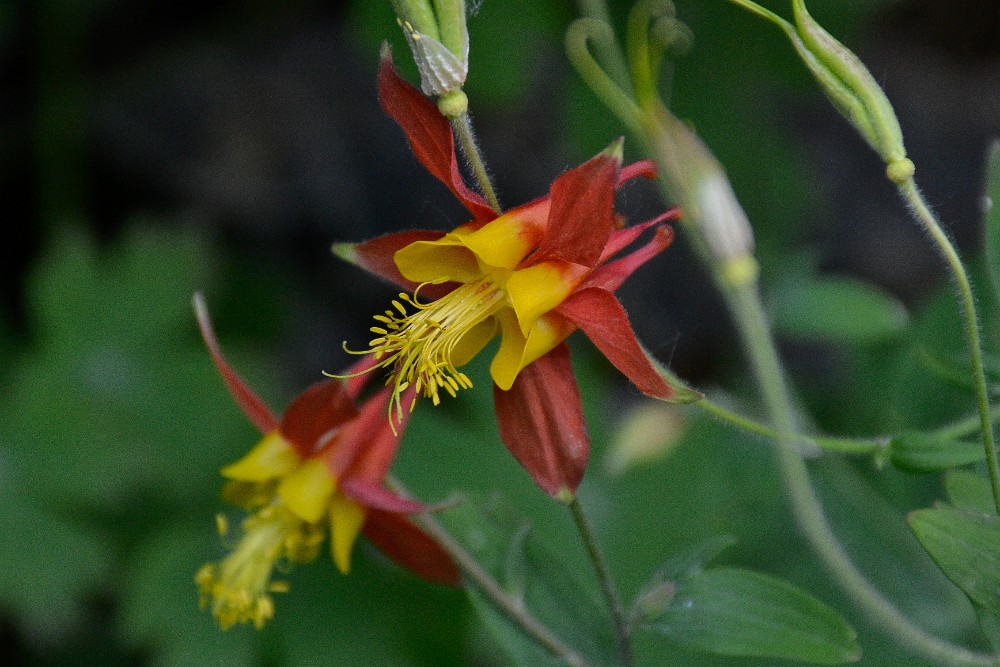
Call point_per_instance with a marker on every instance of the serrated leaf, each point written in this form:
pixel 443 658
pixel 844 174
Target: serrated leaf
pixel 966 546
pixel 837 309
pixel 969 491
pixel 915 451
pixel 738 612
pixel 991 215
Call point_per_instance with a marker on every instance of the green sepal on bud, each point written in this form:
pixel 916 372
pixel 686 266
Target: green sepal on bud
pixel 439 40
pixel 849 85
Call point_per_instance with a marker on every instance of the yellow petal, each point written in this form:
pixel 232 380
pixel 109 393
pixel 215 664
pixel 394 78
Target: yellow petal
pixel 538 289
pixel 441 260
pixel 346 519
pixel 272 457
pixel 472 342
pixel 507 362
pixel 504 242
pixel 306 491
pixel 545 335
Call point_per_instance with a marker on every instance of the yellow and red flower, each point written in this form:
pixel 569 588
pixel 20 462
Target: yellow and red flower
pixel 533 275
pixel 320 469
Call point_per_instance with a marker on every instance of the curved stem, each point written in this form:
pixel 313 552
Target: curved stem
pixel 578 35
pixel 611 596
pixel 610 53
pixel 745 302
pixel 514 609
pixel 462 125
pixel 923 213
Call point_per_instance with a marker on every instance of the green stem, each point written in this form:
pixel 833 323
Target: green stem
pixel 513 608
pixel 923 213
pixel 607 583
pixel 744 300
pixel 830 444
pixel 608 49
pixel 467 138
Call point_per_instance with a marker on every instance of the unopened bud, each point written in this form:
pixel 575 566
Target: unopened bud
pixel 698 183
pixel 439 40
pixel 852 89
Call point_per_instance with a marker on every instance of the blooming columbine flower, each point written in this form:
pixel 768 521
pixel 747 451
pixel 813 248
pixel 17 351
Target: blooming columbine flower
pixel 321 467
pixel 533 274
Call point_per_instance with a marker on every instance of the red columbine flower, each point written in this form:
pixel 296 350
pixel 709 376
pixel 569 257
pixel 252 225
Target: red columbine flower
pixel 320 468
pixel 534 275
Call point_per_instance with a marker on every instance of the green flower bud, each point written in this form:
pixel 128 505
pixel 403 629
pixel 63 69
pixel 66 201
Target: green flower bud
pixel 852 89
pixel 439 40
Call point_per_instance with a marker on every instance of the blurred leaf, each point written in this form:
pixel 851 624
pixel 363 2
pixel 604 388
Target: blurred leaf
pixel 48 563
pixel 744 613
pixel 837 309
pixel 969 491
pixel 915 451
pixel 527 569
pixel 966 546
pixel 990 625
pixel 116 395
pixel 159 609
pixel 991 217
pixel 690 561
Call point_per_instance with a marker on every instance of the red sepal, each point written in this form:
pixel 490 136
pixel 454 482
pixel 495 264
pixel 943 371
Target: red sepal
pixel 581 216
pixel 410 547
pixel 315 413
pixel 622 238
pixel 429 134
pixel 541 423
pixel 599 315
pixel 644 168
pixel 376 255
pixel 611 276
pixel 376 496
pixel 251 404
pixel 367 445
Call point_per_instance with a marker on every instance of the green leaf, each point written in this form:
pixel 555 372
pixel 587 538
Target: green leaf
pixel 969 491
pixel 991 218
pixel 48 563
pixel 837 309
pixel 743 613
pixel 966 546
pixel 914 451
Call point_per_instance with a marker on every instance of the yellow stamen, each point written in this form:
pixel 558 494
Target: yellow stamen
pixel 420 347
pixel 239 588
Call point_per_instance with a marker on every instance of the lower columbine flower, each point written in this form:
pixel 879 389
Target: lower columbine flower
pixel 532 275
pixel 317 471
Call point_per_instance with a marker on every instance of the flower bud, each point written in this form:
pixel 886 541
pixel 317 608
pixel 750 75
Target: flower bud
pixel 439 40
pixel 853 91
pixel 698 183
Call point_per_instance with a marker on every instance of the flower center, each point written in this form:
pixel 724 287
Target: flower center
pixel 423 348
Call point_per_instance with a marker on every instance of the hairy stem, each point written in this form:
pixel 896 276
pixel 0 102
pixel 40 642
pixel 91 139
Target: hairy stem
pixel 923 213
pixel 462 125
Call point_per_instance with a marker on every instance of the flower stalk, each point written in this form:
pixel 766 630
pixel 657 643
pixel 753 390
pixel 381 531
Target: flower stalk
pixel 604 578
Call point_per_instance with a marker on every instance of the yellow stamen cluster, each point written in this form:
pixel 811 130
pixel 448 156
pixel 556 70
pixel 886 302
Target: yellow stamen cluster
pixel 239 588
pixel 420 347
